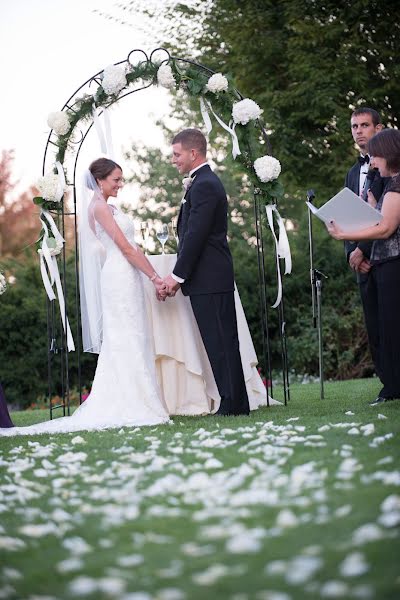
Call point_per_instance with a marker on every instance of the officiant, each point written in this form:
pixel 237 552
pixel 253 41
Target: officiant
pixel 384 273
pixel 362 177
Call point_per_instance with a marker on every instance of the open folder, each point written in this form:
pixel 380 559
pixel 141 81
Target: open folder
pixel 348 211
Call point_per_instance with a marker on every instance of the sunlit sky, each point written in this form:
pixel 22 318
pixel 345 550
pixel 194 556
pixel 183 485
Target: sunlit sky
pixel 48 49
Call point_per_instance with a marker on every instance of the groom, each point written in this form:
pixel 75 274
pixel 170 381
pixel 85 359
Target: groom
pixel 204 268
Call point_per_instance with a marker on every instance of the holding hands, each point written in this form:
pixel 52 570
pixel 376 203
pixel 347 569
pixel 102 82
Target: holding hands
pixel 166 287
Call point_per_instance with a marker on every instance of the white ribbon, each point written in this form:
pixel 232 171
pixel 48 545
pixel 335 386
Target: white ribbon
pixel 51 274
pixel 205 106
pixel 105 138
pixel 281 246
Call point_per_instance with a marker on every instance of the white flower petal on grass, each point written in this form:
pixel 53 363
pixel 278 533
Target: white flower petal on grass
pixel 381 416
pixel 170 594
pixel 112 586
pixel 71 457
pixel 10 573
pixel 83 586
pixel 7 591
pixel 334 589
pixel 193 549
pixel 41 473
pixel 380 440
pixel 390 519
pixel 302 568
pixel 391 503
pixel 39 530
pixel 70 564
pixel 353 565
pixel 76 545
pixel 130 560
pixel 367 533
pixel 213 463
pixel 210 575
pixel 349 412
pixel 386 460
pixel 368 429
pixel 172 571
pixel 286 518
pixel 78 440
pixel 276 567
pixel 343 511
pixel 354 431
pixel 246 542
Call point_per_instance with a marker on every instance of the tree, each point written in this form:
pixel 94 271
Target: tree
pixel 307 64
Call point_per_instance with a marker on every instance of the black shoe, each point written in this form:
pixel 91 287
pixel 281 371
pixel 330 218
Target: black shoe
pixel 380 400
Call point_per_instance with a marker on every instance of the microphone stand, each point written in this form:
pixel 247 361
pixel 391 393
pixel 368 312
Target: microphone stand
pixel 316 296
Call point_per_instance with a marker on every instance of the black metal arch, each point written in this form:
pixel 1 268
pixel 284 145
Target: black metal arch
pixel 56 336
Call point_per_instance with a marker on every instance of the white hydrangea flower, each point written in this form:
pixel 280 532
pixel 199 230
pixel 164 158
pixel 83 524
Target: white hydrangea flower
pixel 246 110
pixel 49 188
pixel 55 247
pixel 114 79
pixel 267 168
pixel 59 121
pixel 217 83
pixel 165 77
pixel 3 284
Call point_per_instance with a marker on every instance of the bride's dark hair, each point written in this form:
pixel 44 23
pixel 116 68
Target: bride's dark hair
pixel 102 167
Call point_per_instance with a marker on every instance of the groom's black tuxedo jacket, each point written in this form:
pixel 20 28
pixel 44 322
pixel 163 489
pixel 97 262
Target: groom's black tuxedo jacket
pixel 352 181
pixel 204 259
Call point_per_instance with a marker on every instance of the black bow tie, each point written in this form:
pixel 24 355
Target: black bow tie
pixel 363 159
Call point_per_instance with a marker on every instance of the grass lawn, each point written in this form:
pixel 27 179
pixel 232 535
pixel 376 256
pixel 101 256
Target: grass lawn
pixel 289 503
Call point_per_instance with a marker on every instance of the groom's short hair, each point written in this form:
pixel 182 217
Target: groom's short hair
pixel 192 139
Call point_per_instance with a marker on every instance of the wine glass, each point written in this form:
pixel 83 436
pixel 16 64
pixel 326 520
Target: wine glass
pixel 174 225
pixel 145 235
pixel 162 235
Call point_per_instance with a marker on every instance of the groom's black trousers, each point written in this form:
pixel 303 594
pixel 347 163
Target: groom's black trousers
pixel 216 317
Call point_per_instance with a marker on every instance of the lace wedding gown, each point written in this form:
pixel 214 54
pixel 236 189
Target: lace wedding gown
pixel 124 390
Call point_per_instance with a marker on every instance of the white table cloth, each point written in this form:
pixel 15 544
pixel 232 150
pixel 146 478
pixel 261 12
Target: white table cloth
pixel 183 369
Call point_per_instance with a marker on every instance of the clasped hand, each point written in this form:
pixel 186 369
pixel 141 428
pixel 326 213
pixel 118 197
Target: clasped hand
pixel 166 287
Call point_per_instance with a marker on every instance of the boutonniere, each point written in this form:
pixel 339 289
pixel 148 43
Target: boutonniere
pixel 187 182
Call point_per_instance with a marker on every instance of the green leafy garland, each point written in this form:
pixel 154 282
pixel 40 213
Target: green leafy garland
pixel 192 79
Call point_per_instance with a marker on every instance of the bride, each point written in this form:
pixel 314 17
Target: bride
pixel 113 313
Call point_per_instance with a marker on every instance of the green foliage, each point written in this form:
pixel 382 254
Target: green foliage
pixel 23 336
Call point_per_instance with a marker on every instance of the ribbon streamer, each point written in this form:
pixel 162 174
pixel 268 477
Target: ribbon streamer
pixel 282 247
pixel 105 138
pixel 205 106
pixel 51 275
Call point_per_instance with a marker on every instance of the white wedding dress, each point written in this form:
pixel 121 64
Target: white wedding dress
pixel 124 390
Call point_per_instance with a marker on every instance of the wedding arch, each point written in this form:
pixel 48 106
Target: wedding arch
pixel 218 99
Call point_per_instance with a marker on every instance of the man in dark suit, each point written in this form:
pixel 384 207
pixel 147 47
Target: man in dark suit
pixel 204 268
pixel 362 179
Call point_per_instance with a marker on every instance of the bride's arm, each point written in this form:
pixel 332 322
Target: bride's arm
pixel 133 255
pixel 388 225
